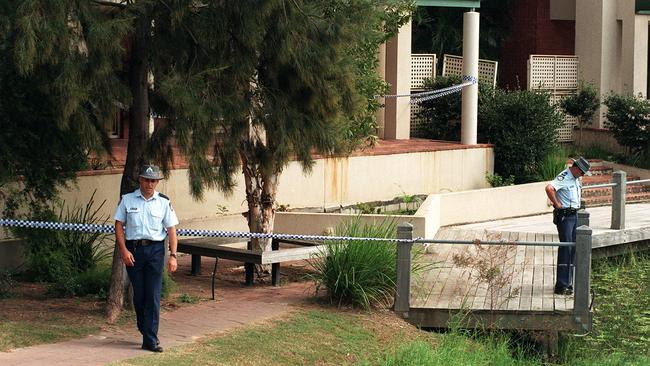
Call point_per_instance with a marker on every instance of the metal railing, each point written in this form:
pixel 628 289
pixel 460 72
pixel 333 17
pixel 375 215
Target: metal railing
pixel 619 189
pixel 583 243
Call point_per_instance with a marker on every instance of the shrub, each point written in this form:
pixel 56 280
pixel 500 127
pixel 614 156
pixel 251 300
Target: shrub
pixel 62 256
pixel 522 125
pixel 168 284
pixel 629 120
pixel 495 180
pixel 442 115
pixel 360 273
pixel 582 105
pixel 552 165
pixel 95 281
pixel 7 284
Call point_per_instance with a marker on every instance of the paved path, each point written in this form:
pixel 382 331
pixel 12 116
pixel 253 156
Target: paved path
pixel 238 307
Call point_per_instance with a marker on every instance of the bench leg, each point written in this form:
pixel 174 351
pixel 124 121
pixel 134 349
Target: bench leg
pixel 275 274
pixel 214 274
pixel 250 272
pixel 196 265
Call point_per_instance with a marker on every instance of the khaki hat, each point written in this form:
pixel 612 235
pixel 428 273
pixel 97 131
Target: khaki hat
pixel 151 172
pixel 582 164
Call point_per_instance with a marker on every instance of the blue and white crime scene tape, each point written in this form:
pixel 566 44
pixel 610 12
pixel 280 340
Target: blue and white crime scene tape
pixel 96 228
pixel 417 98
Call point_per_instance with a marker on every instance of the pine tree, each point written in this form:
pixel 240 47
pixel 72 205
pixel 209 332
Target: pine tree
pixel 286 80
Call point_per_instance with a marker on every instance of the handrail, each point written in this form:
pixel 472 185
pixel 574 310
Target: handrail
pixel 603 185
pixel 638 181
pixel 583 245
pixel 501 242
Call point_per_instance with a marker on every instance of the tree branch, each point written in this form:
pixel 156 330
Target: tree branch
pixel 120 5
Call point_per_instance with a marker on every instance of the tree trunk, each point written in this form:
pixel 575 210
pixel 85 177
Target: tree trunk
pixel 260 194
pixel 119 293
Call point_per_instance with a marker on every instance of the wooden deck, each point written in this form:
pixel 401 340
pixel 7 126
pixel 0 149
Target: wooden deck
pixel 521 295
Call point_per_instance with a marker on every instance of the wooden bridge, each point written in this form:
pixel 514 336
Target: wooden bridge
pixel 519 294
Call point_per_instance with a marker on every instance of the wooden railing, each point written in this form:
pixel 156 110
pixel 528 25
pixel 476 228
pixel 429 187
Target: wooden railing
pixel 583 245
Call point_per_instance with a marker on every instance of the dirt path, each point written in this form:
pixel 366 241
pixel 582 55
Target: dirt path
pixel 236 306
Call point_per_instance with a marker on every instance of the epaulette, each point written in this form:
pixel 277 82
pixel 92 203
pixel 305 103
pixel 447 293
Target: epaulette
pixel 164 196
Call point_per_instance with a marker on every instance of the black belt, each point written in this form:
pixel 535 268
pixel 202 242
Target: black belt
pixel 567 211
pixel 143 242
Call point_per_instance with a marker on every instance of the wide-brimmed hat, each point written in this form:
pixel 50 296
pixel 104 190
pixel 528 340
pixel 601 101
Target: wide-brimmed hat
pixel 151 172
pixel 582 164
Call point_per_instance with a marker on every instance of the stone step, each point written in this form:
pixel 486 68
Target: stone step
pixel 602 191
pixel 607 200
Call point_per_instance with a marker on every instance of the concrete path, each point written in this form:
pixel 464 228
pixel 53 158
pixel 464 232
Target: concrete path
pixel 238 307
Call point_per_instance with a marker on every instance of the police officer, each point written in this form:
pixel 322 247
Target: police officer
pixel 565 192
pixel 143 219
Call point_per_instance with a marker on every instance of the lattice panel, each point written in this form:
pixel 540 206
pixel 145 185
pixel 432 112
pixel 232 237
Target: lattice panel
pixel 487 70
pixel 564 133
pixel 553 72
pixel 423 66
pixel 416 122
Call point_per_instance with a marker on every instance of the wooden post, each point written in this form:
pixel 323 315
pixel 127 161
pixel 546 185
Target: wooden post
pixel 403 269
pixel 582 274
pixel 618 200
pixel 583 218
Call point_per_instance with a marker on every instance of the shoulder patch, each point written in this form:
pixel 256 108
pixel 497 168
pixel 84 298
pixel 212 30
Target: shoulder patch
pixel 164 196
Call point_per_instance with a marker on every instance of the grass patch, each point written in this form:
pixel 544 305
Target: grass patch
pixel 14 334
pixel 621 315
pixel 335 337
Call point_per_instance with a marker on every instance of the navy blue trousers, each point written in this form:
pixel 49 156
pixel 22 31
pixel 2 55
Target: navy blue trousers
pixel 146 279
pixel 566 228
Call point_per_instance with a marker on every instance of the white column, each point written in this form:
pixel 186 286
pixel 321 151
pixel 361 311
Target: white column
pixel 469 114
pixel 397 120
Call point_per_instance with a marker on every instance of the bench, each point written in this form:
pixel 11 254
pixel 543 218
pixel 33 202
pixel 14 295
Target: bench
pixel 222 248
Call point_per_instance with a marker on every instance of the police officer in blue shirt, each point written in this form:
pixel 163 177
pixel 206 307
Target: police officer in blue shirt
pixel 143 219
pixel 565 192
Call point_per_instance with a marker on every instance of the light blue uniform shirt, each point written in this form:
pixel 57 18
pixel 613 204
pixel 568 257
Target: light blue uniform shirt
pixel 145 219
pixel 568 189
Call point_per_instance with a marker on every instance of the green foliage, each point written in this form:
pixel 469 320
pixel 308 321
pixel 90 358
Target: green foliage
pixel 360 273
pixel 583 104
pixel 442 115
pixel 60 256
pixel 439 30
pixel 522 125
pixel 61 60
pixel 553 164
pixel 188 299
pixel 621 316
pixel 94 281
pixel 628 118
pixel 7 284
pixel 168 284
pixel 455 349
pixel 495 180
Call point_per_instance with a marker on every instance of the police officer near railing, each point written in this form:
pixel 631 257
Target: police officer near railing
pixel 565 193
pixel 143 219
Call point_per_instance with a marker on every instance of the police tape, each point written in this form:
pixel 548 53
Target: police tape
pixel 417 98
pixel 109 229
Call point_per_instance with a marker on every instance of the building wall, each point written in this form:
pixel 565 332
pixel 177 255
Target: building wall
pixel 532 32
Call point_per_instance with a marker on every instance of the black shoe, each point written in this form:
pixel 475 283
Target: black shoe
pixel 156 348
pixel 561 290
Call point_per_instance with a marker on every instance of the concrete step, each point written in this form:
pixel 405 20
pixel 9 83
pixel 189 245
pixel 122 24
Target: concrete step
pixel 607 191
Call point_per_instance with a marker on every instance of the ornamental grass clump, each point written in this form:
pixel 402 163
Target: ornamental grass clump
pixel 358 272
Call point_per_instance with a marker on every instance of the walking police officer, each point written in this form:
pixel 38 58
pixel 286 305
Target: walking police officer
pixel 565 192
pixel 143 219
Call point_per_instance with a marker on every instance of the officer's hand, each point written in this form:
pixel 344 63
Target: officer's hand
pixel 128 259
pixel 172 264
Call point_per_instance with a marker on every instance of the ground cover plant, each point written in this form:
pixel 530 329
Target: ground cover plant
pixel 628 119
pixel 621 315
pixel 358 272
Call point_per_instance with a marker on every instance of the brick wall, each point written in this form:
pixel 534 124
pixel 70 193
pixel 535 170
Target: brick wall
pixel 532 32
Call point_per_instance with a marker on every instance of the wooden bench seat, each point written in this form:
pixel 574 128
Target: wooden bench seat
pixel 238 249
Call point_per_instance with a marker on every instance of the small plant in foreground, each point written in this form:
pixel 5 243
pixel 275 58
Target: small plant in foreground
pixel 188 299
pixel 496 180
